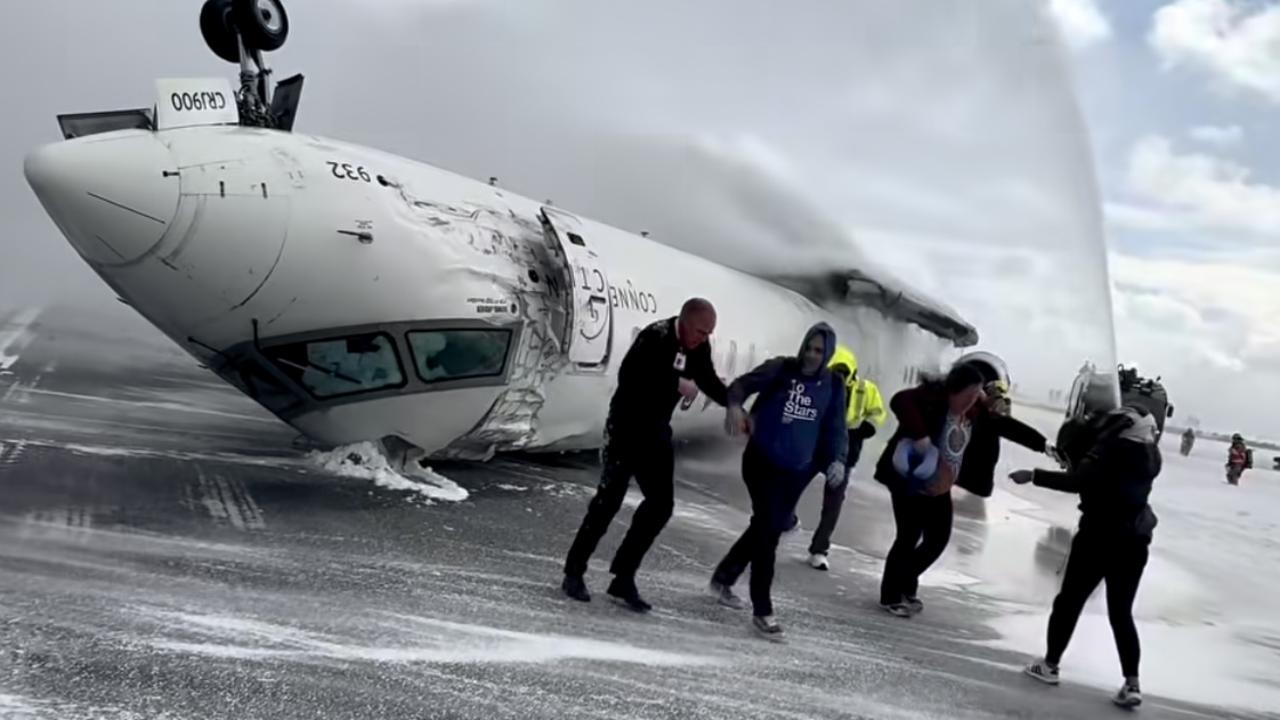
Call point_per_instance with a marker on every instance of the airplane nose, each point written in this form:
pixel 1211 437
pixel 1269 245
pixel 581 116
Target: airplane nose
pixel 113 197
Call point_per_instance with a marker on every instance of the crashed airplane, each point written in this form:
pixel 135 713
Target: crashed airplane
pixel 358 295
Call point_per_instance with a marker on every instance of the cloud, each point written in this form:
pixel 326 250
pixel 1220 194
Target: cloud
pixel 1209 328
pixel 1139 217
pixel 1237 43
pixel 1081 21
pixel 1217 135
pixel 1212 191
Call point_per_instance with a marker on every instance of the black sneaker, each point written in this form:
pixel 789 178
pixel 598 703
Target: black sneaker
pixel 913 604
pixel 575 587
pixel 1129 697
pixel 625 591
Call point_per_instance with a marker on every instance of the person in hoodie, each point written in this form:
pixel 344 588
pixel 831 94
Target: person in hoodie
pixel 919 466
pixel 1112 460
pixel 796 430
pixel 865 413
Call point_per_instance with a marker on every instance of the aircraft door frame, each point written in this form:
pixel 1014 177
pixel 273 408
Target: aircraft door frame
pixel 590 321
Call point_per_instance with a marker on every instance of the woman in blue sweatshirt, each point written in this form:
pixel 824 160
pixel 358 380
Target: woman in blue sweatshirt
pixel 796 429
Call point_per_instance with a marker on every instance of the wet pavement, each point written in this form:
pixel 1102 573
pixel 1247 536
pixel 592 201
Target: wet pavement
pixel 168 551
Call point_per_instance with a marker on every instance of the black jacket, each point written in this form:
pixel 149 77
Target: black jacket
pixel 1114 482
pixel 648 389
pixel 922 411
pixel 977 472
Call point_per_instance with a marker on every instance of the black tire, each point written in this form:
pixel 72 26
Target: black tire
pixel 218 30
pixel 263 24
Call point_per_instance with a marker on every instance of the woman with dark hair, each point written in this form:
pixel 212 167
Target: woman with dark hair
pixel 920 464
pixel 948 434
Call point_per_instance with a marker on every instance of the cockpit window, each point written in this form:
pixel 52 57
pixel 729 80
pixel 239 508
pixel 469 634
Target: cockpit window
pixel 456 354
pixel 333 367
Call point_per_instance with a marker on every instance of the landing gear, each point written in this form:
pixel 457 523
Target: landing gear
pixel 240 31
pixel 218 30
pixel 263 24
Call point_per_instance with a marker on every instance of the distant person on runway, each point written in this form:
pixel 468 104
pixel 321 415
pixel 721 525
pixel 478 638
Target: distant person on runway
pixel 864 415
pixel 796 430
pixel 1113 459
pixel 1188 441
pixel 668 360
pixel 1239 459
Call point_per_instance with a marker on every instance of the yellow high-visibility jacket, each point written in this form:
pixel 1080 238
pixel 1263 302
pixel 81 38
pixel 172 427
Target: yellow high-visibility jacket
pixel 865 403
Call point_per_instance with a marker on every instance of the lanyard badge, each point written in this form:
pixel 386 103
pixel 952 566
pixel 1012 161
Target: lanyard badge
pixel 679 362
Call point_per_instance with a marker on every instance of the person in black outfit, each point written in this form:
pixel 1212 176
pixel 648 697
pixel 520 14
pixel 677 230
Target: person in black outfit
pixel 1113 459
pixel 951 421
pixel 668 360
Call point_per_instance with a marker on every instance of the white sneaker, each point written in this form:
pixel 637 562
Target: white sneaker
pixel 1042 671
pixel 1129 696
pixel 897 609
pixel 818 561
pixel 767 626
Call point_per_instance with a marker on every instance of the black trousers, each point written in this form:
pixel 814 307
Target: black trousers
pixel 924 529
pixel 774 494
pixel 833 500
pixel 647 456
pixel 1095 558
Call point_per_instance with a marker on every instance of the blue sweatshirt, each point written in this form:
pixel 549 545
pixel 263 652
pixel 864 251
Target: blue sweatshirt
pixel 797 420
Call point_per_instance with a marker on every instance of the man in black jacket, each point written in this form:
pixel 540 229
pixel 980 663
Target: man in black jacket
pixel 1113 459
pixel 668 360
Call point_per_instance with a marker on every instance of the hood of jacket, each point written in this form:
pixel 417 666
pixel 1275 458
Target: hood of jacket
pixel 828 343
pixel 843 356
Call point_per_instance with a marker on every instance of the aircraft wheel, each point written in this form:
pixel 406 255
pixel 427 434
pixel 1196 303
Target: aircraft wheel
pixel 263 24
pixel 218 30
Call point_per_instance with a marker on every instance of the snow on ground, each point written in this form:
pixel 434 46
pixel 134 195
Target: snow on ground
pixel 366 461
pixel 410 640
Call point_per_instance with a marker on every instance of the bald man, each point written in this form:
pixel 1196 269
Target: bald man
pixel 669 360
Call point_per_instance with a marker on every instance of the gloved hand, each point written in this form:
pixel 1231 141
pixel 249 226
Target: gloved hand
pixel 1021 477
pixel 865 430
pixel 736 421
pixel 835 475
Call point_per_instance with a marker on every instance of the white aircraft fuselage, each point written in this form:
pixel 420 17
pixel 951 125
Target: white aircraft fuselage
pixel 359 295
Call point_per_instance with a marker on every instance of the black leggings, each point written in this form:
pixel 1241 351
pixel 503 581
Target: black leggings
pixel 924 529
pixel 1120 562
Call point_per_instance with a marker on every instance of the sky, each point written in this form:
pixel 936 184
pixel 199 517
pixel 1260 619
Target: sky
pixel 999 156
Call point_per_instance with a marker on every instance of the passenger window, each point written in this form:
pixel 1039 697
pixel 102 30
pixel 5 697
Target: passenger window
pixel 457 354
pixel 333 367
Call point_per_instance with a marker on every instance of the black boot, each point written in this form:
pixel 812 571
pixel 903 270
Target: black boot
pixel 624 590
pixel 575 587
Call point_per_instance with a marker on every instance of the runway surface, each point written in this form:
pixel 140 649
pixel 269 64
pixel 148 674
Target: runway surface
pixel 167 551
